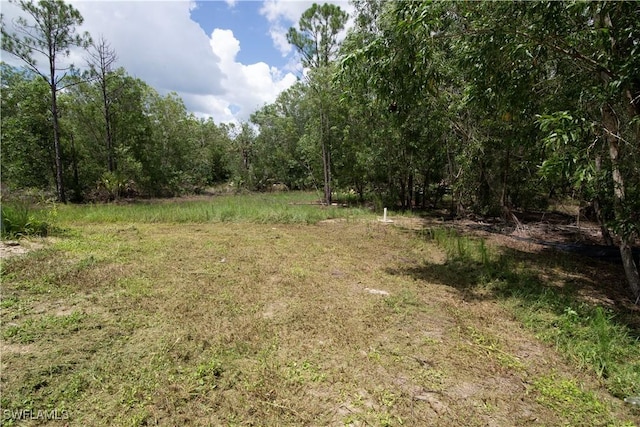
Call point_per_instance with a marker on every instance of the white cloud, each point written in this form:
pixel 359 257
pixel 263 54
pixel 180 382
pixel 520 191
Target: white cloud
pixel 160 44
pixel 157 42
pixel 290 11
pixel 283 14
pixel 279 36
pixel 248 86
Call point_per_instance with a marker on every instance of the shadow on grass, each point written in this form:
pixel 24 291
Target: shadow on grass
pixel 578 304
pixel 549 275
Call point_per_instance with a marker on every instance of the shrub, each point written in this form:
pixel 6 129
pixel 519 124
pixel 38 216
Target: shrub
pixel 19 219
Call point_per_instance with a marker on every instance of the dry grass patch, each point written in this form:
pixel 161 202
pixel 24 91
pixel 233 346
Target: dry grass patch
pixel 261 324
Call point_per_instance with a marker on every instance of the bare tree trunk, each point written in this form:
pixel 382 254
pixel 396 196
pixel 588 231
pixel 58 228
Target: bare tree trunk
pixel 505 206
pixel 76 175
pixel 606 236
pixel 611 127
pixel 425 192
pixel 612 135
pixel 57 149
pixel 111 164
pixel 326 158
pixel 410 192
pixel 402 187
pixel 101 59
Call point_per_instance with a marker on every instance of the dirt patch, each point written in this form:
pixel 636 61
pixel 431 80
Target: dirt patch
pixel 11 248
pixel 21 349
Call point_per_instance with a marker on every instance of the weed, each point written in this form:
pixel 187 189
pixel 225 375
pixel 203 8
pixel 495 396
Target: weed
pixel 460 248
pixel 51 326
pixel 134 287
pixel 590 336
pixel 207 373
pixel 566 397
pixel 492 347
pixel 290 208
pixel 9 302
pixel 19 219
pixel 304 372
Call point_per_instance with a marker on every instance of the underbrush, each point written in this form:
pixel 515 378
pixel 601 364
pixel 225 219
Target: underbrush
pixel 544 292
pixel 22 219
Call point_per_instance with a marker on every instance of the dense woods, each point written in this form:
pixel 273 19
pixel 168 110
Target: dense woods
pixel 507 105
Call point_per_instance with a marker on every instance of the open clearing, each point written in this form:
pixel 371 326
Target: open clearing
pixel 348 322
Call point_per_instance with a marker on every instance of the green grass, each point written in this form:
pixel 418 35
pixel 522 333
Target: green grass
pixel 38 329
pixel 279 208
pixel 590 336
pixel 20 219
pixel 155 313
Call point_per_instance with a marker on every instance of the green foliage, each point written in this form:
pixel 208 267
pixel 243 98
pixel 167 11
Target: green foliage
pixel 26 130
pixel 49 28
pixel 317 37
pixel 20 219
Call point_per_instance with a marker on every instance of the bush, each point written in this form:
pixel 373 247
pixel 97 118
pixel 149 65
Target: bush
pixel 19 219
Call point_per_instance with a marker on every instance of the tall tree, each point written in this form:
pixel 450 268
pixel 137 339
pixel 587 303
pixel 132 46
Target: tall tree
pixel 101 60
pixel 602 42
pixel 50 32
pixel 26 130
pixel 392 63
pixel 280 156
pixel 317 42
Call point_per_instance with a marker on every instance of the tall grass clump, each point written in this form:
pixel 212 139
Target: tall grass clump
pixel 19 219
pixel 458 247
pixel 286 208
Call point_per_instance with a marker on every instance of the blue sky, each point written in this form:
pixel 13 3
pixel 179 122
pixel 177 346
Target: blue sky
pixel 225 59
pixel 249 26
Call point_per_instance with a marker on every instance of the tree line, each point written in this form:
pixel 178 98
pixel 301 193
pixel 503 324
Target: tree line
pixel 508 105
pixel 100 134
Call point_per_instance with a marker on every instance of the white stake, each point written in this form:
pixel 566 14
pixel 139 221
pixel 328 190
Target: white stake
pixel 384 218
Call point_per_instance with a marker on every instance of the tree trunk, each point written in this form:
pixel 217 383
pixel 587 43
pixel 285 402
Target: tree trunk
pixel 410 192
pixel 484 191
pixel 326 158
pixel 606 236
pixel 57 149
pixel 611 127
pixel 505 206
pixel 425 191
pixel 402 187
pixel 76 176
pixel 111 165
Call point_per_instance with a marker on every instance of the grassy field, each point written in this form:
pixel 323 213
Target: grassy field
pixel 271 310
